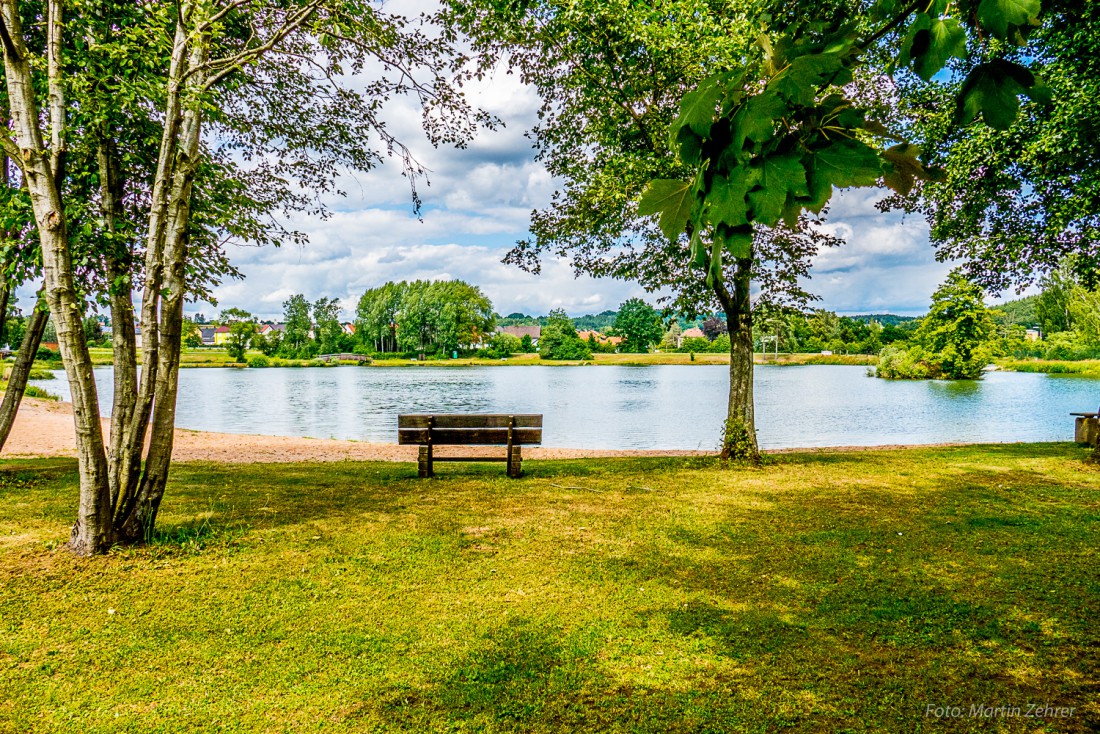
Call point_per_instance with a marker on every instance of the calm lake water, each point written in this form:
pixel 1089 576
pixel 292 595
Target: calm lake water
pixel 662 407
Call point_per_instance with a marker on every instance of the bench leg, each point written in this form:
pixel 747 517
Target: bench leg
pixel 424 465
pixel 515 462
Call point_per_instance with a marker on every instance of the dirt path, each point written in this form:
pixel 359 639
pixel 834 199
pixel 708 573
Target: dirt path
pixel 45 428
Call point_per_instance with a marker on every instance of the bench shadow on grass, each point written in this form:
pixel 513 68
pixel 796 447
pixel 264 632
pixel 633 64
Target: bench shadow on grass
pixel 525 677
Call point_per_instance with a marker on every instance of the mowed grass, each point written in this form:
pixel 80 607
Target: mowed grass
pixel 824 592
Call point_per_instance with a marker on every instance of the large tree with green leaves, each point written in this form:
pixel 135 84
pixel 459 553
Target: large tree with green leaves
pixel 296 342
pixel 328 332
pixel 165 96
pixel 611 75
pixel 771 140
pixel 639 325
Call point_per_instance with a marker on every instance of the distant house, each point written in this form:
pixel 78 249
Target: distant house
pixel 693 333
pixel 221 335
pixel 137 337
pixel 1033 335
pixel 349 329
pixel 206 333
pixel 600 338
pixel 521 331
pixel 266 329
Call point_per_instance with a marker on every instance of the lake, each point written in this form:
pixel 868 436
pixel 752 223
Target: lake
pixel 606 407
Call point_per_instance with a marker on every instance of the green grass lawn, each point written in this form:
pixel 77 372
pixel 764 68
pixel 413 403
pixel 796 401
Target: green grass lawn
pixel 825 592
pixel 1052 366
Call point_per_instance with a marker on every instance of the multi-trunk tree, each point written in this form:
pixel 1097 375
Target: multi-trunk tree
pixel 164 96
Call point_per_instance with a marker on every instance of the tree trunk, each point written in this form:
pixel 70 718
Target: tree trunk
pixel 5 296
pixel 93 531
pixel 124 453
pixel 139 523
pixel 21 370
pixel 739 434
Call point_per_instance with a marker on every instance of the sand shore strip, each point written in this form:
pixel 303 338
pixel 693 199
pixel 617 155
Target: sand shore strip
pixel 44 428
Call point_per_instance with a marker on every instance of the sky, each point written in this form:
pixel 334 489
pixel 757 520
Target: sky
pixel 477 203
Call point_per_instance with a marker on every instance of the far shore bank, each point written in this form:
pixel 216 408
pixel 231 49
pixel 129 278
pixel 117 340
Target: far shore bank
pixel 209 358
pixel 195 358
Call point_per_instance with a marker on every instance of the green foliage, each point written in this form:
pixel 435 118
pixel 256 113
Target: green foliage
pixel 1068 345
pixel 602 321
pixel 268 344
pixel 639 325
pixel 671 339
pixel 1020 311
pixel 328 332
pixel 502 345
pixel 241 334
pixel 559 340
pixel 1053 305
pixel 907 363
pixel 424 317
pixel 697 344
pixel 737 441
pixel 15 326
pixel 953 342
pixel 1013 204
pixel 93 331
pixel 296 343
pixel 821 330
pixel 957 328
pixel 259 360
pixel 774 139
pixel 32 391
pixel 526 344
pixel 192 337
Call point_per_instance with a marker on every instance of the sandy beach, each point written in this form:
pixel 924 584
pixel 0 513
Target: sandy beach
pixel 44 428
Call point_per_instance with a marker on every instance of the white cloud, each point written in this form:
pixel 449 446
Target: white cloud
pixel 477 203
pixel 886 264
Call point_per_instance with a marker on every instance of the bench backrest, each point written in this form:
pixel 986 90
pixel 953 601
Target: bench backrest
pixel 469 429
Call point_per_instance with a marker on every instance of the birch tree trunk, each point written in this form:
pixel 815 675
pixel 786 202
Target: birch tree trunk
pixel 124 453
pixel 93 531
pixel 21 370
pixel 139 522
pixel 739 434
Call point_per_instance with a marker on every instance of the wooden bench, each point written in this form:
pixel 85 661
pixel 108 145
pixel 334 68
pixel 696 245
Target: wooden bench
pixel 469 429
pixel 1087 428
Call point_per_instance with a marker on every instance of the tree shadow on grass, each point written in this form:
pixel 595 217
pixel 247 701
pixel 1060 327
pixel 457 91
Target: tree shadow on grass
pixel 521 676
pixel 273 495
